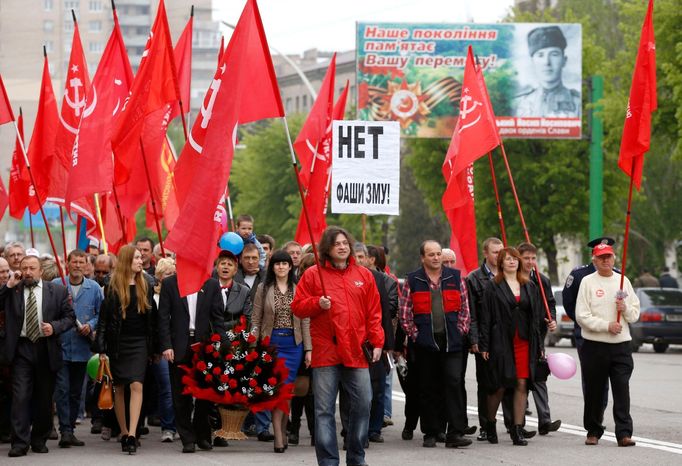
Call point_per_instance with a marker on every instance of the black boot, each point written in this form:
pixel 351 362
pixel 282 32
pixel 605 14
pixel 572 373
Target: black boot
pixel 516 433
pixel 294 427
pixel 491 432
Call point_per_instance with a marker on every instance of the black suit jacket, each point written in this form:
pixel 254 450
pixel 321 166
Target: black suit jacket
pixel 57 311
pixel 174 316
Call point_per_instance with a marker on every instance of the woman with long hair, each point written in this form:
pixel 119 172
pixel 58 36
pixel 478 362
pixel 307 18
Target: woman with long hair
pixel 126 333
pixel 509 341
pixel 272 316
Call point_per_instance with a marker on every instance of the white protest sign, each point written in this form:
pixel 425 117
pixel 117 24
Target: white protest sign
pixel 366 167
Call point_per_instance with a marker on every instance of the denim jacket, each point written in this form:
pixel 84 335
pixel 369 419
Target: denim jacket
pixel 76 347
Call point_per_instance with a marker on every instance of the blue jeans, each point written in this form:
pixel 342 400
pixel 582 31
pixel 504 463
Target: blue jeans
pixel 356 383
pixel 263 421
pixel 165 398
pixel 388 395
pixel 68 392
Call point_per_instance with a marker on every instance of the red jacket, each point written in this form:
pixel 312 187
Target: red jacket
pixel 355 315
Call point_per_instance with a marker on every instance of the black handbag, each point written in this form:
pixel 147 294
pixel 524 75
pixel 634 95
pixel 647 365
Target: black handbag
pixel 542 370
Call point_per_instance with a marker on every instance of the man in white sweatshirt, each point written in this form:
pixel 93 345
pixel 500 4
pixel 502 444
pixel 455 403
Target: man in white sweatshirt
pixel 603 312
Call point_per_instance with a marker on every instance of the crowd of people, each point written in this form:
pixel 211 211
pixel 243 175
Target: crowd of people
pixel 341 324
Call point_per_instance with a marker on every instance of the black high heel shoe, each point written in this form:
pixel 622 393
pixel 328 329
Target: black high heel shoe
pixel 131 445
pixel 124 441
pixel 280 449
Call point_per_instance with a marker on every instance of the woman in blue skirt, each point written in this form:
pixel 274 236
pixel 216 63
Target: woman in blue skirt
pixel 272 316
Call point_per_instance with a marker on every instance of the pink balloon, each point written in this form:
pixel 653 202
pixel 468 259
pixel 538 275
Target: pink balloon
pixel 562 365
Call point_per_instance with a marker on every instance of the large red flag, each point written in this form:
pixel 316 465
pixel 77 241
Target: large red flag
pixel 463 224
pixel 143 119
pixel 165 192
pixel 6 114
pixel 19 180
pixel 637 129
pixel 74 108
pixel 4 199
pixel 41 147
pixel 309 143
pixel 316 198
pixel 91 165
pixel 183 61
pixel 244 89
pixel 475 132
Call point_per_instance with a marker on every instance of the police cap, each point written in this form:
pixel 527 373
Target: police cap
pixel 546 36
pixel 603 240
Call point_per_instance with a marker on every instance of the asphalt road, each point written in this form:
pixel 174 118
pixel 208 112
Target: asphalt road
pixel 656 393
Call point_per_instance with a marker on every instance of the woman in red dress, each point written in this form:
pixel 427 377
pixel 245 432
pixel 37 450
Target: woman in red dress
pixel 509 340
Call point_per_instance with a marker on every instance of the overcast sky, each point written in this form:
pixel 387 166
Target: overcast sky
pixel 293 26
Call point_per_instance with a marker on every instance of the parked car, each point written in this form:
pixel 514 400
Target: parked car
pixel 563 322
pixel 660 318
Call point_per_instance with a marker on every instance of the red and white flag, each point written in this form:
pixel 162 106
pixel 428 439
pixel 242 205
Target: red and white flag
pixel 41 148
pixel 475 132
pixel 642 103
pixel 91 166
pixel 6 114
pixel 244 89
pixel 19 180
pixel 141 126
pixel 183 61
pixel 317 193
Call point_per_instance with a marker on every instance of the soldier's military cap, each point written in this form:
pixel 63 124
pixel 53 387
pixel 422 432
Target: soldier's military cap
pixel 603 240
pixel 546 36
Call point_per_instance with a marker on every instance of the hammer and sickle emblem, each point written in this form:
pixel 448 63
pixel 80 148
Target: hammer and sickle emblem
pixel 206 113
pixel 465 110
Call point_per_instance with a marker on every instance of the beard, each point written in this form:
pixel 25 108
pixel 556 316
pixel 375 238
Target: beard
pixel 29 281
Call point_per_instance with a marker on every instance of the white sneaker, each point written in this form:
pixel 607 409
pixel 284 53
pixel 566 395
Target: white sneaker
pixel 167 436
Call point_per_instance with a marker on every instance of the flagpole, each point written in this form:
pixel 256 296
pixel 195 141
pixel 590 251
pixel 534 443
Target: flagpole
pixel 525 229
pixel 627 232
pixel 118 211
pixel 229 212
pixel 497 199
pixel 151 195
pixel 40 202
pixel 182 112
pixel 101 224
pixel 364 228
pixel 30 225
pixel 61 221
pixel 305 210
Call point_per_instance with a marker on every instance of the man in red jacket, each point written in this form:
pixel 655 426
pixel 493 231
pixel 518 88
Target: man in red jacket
pixel 342 302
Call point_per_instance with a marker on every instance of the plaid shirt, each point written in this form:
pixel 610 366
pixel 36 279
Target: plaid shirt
pixel 407 314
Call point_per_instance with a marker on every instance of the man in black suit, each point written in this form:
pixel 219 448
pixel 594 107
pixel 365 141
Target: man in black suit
pixel 36 313
pixel 183 322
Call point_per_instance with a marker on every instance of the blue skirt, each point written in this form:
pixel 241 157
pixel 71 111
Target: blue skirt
pixel 283 339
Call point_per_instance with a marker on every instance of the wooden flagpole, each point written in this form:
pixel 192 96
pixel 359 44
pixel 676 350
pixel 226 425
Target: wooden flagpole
pixel 626 236
pixel 497 199
pixel 151 195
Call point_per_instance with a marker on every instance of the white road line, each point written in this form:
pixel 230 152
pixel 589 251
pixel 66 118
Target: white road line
pixel 579 431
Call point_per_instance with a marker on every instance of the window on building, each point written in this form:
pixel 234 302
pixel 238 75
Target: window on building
pixel 288 104
pixel 71 4
pixel 95 26
pixel 305 102
pixel 48 26
pixel 95 47
pixel 49 46
pixel 48 4
pixel 95 5
pixel 68 24
pixel 297 103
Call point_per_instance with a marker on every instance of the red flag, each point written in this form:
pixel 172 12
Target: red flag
pixel 183 60
pixel 91 168
pixel 318 187
pixel 165 191
pixel 244 89
pixel 73 109
pixel 642 103
pixel 221 50
pixel 41 147
pixel 475 132
pixel 463 224
pixel 19 180
pixel 4 199
pixel 76 90
pixel 143 119
pixel 309 143
pixel 6 114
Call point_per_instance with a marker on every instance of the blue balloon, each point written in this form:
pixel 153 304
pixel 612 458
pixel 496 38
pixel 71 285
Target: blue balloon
pixel 232 242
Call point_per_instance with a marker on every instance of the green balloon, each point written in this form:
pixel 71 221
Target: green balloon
pixel 93 366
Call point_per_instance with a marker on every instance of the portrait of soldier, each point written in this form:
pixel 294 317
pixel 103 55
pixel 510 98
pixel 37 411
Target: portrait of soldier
pixel 550 98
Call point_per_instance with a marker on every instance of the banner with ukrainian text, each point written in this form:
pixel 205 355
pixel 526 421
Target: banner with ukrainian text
pixel 412 73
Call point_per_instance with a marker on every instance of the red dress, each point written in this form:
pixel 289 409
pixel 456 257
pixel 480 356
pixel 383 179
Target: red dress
pixel 521 358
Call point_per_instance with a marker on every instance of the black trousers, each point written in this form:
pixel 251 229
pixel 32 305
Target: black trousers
pixel 32 388
pixel 440 391
pixel 191 429
pixel 603 362
pixel 463 373
pixel 410 386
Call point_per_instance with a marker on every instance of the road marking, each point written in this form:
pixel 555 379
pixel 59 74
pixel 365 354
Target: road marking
pixel 579 431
